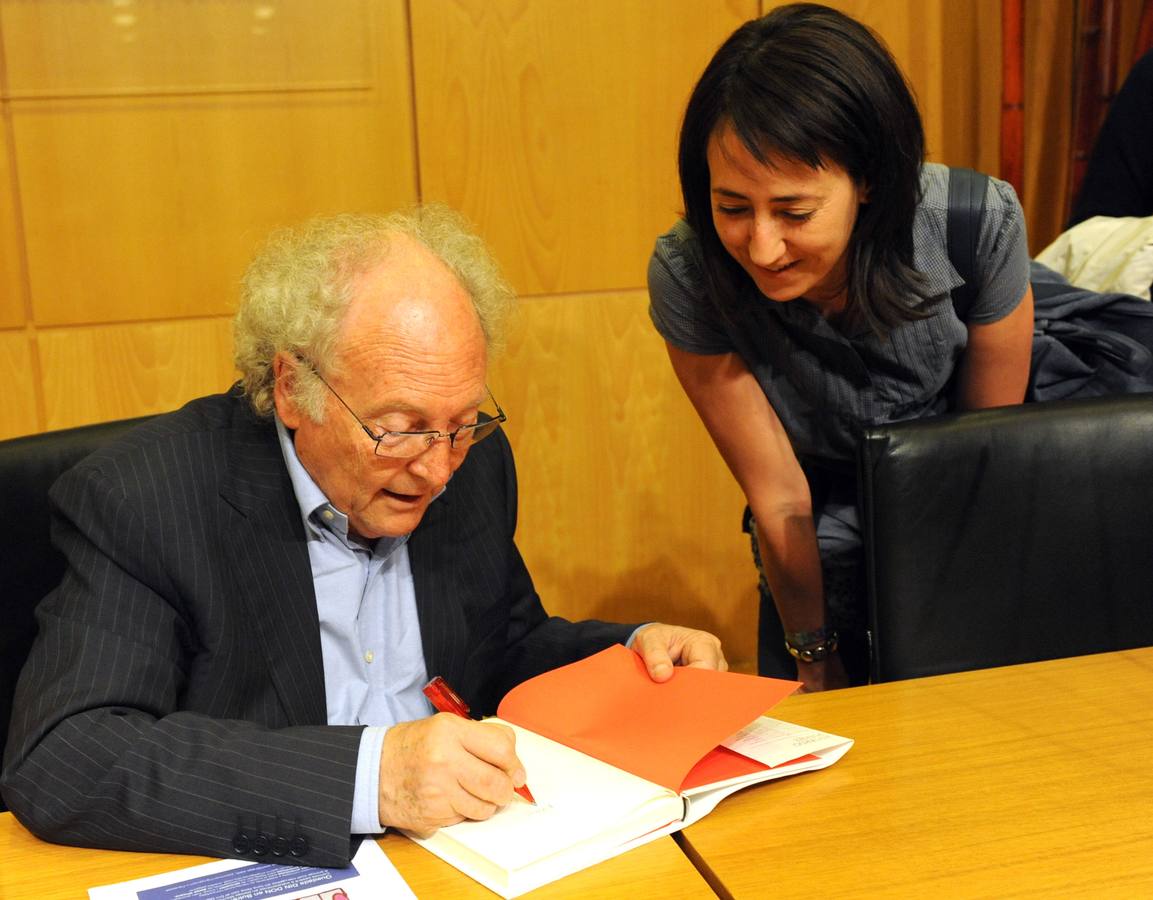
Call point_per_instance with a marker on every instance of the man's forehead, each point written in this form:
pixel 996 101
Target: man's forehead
pixel 407 270
pixel 409 318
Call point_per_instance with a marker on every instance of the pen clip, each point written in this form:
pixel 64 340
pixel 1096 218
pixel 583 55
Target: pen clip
pixel 445 699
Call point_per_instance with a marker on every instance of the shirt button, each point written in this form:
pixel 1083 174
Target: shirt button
pixel 369 656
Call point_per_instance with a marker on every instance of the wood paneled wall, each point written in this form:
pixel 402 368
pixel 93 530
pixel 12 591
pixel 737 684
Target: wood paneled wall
pixel 146 147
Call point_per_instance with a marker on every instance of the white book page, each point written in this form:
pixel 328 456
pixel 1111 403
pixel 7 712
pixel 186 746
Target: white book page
pixel 579 799
pixel 788 749
pixel 773 742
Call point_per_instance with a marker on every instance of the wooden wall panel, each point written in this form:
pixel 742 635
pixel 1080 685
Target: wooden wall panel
pixel 144 200
pixel 950 55
pixel 141 212
pixel 18 411
pixel 70 48
pixel 553 126
pixel 627 511
pixel 116 371
pixel 12 293
pixel 156 142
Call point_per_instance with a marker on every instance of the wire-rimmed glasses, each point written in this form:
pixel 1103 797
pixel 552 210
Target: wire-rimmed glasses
pixel 407 444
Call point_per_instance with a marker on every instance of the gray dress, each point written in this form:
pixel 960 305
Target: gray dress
pixel 828 385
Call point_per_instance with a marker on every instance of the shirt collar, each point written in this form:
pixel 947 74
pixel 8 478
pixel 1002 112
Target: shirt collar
pixel 315 508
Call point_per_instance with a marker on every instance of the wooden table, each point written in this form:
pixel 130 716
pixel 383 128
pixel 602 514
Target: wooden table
pixel 1032 780
pixel 30 868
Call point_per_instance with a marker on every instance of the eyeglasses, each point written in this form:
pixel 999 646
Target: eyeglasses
pixel 407 444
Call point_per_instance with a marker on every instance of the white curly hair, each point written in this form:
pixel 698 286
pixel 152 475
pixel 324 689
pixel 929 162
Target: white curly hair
pixel 296 290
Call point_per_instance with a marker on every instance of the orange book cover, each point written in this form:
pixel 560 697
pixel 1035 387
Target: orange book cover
pixel 608 707
pixel 615 760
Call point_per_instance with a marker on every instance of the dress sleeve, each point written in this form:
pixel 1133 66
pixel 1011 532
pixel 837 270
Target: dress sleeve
pixel 679 305
pixel 1003 255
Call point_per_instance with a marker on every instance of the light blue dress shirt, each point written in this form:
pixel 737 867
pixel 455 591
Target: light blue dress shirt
pixel 369 631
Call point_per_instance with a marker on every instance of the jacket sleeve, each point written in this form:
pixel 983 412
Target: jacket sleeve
pixel 129 728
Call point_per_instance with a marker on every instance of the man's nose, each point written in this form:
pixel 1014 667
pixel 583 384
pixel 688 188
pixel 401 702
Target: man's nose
pixel 766 243
pixel 434 465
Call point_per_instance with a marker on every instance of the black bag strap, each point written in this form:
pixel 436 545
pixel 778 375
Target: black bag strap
pixel 962 229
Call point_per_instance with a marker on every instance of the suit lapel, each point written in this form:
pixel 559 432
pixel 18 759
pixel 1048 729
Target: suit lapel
pixel 268 558
pixel 439 600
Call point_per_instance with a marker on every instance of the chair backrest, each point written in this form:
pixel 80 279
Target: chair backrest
pixel 1009 535
pixel 31 566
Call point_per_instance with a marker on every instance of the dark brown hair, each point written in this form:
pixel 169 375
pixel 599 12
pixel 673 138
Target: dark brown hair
pixel 807 83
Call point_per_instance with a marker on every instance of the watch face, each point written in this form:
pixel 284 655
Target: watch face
pixel 814 652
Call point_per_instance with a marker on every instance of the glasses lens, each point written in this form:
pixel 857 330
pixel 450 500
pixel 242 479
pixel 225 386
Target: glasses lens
pixel 401 446
pixel 483 429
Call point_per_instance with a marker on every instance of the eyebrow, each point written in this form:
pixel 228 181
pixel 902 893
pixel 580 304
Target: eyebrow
pixel 409 409
pixel 784 198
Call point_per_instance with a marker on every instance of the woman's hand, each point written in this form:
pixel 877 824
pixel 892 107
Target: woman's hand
pixel 826 675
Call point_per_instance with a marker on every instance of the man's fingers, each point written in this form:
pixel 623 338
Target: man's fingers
pixel 703 651
pixel 664 646
pixel 659 663
pixel 473 800
pixel 653 643
pixel 495 743
pixel 437 771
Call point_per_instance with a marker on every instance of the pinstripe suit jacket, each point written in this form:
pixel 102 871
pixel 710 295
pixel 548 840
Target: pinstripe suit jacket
pixel 175 694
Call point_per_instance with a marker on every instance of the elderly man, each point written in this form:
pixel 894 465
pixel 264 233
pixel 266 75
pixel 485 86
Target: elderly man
pixel 260 584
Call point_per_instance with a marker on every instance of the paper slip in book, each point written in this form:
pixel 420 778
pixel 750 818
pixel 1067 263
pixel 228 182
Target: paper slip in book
pixel 370 876
pixel 615 760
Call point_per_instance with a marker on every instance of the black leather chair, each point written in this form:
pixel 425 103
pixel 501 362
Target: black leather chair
pixel 1009 535
pixel 31 566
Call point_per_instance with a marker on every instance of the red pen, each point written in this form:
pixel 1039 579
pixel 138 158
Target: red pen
pixel 445 699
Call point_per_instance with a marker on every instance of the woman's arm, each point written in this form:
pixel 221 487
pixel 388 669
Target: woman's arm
pixel 754 444
pixel 994 370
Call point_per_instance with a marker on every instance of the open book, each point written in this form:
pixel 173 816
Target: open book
pixel 615 760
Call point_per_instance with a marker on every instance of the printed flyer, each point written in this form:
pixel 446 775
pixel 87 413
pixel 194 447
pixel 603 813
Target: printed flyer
pixel 370 876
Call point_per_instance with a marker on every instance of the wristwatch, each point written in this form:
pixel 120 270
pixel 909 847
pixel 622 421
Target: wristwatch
pixel 811 646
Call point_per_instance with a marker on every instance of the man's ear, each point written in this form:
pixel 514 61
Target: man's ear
pixel 284 375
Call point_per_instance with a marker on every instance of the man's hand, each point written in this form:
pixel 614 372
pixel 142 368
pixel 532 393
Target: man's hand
pixel 444 769
pixel 664 646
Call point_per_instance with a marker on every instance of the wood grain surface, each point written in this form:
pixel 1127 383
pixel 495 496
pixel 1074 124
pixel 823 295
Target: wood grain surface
pixel 1026 781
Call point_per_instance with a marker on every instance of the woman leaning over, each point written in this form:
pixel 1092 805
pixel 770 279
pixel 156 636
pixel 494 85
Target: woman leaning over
pixel 805 295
